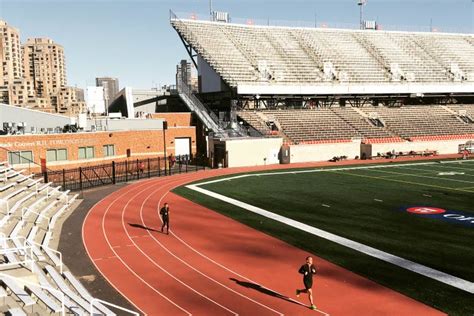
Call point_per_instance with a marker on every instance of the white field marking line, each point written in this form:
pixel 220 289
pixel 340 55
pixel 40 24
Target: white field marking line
pixel 443 167
pixel 126 265
pixel 184 262
pixel 94 260
pixel 370 251
pixel 314 171
pixel 421 176
pixel 434 170
pixel 217 263
pixel 124 207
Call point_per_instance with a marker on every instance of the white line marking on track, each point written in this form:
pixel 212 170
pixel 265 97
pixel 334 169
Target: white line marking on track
pixel 184 262
pixel 124 207
pixel 218 264
pixel 125 264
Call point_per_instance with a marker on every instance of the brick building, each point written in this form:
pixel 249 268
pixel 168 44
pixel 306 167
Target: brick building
pixel 71 150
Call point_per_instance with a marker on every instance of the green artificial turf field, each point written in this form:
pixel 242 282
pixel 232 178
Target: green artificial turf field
pixel 369 205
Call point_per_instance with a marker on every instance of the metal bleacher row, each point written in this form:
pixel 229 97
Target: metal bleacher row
pixel 33 279
pixel 342 124
pixel 249 54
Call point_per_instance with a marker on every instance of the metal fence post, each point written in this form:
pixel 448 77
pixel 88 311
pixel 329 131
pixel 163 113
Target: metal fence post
pixel 126 170
pixel 164 157
pixel 80 178
pixel 148 159
pixel 64 180
pixel 159 167
pixel 114 181
pixel 138 170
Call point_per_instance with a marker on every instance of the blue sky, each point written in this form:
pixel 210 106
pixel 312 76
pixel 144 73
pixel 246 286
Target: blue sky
pixel 101 36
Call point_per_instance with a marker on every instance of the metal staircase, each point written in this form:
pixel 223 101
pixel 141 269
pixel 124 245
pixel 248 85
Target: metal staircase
pixel 207 117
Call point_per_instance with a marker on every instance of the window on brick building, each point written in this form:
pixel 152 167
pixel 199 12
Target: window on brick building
pixel 56 154
pixel 109 150
pixel 86 152
pixel 20 157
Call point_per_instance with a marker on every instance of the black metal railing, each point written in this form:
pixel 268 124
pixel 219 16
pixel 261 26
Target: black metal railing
pixel 122 171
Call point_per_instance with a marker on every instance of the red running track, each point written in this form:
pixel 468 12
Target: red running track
pixel 213 265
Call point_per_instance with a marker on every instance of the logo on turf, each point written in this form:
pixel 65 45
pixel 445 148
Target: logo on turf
pixel 425 210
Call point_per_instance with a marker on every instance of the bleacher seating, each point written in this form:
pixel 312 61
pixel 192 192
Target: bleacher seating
pixel 28 213
pixel 262 55
pixel 342 124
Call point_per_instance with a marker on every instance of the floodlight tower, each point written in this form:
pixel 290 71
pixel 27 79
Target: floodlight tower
pixel 361 4
pixel 210 9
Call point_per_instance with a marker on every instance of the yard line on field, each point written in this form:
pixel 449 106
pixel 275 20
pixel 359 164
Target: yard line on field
pixel 315 170
pixel 443 169
pixel 403 181
pixel 312 171
pixel 370 251
pixel 422 176
pixel 442 166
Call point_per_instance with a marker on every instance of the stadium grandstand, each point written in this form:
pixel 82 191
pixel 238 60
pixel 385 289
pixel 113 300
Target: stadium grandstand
pixel 313 86
pixel 33 278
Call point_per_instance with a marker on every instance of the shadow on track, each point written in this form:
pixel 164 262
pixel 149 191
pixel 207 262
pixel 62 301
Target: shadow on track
pixel 144 227
pixel 266 291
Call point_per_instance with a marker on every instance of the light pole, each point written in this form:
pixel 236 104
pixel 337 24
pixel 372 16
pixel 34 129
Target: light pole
pixel 361 4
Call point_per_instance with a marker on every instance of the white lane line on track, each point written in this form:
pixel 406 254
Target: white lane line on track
pixel 124 207
pixel 94 260
pixel 126 265
pixel 191 267
pixel 373 252
pixel 217 263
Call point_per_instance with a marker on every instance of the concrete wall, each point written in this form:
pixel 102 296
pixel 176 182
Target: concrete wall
pixel 210 80
pixel 95 99
pixel 443 147
pixel 174 119
pixel 323 152
pixel 125 124
pixel 32 118
pixel 253 151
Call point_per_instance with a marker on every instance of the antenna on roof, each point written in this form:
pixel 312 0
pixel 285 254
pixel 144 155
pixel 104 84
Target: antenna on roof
pixel 361 4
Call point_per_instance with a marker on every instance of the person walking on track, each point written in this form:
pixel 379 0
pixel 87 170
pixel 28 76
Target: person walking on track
pixel 307 270
pixel 165 216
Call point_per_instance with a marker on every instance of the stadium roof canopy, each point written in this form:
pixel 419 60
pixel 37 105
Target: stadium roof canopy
pixel 267 60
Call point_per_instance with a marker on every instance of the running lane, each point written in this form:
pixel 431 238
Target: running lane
pixel 212 265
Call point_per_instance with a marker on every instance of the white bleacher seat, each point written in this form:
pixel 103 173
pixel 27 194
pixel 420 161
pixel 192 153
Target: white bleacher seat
pixel 33 182
pixel 16 289
pixel 52 256
pixel 44 186
pixel 14 193
pixel 19 225
pixel 21 201
pixel 84 293
pixel 32 233
pixel 16 312
pixel 43 297
pixel 47 238
pixel 55 217
pixel 60 282
pixel 7 186
pixel 3 294
pixel 24 178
